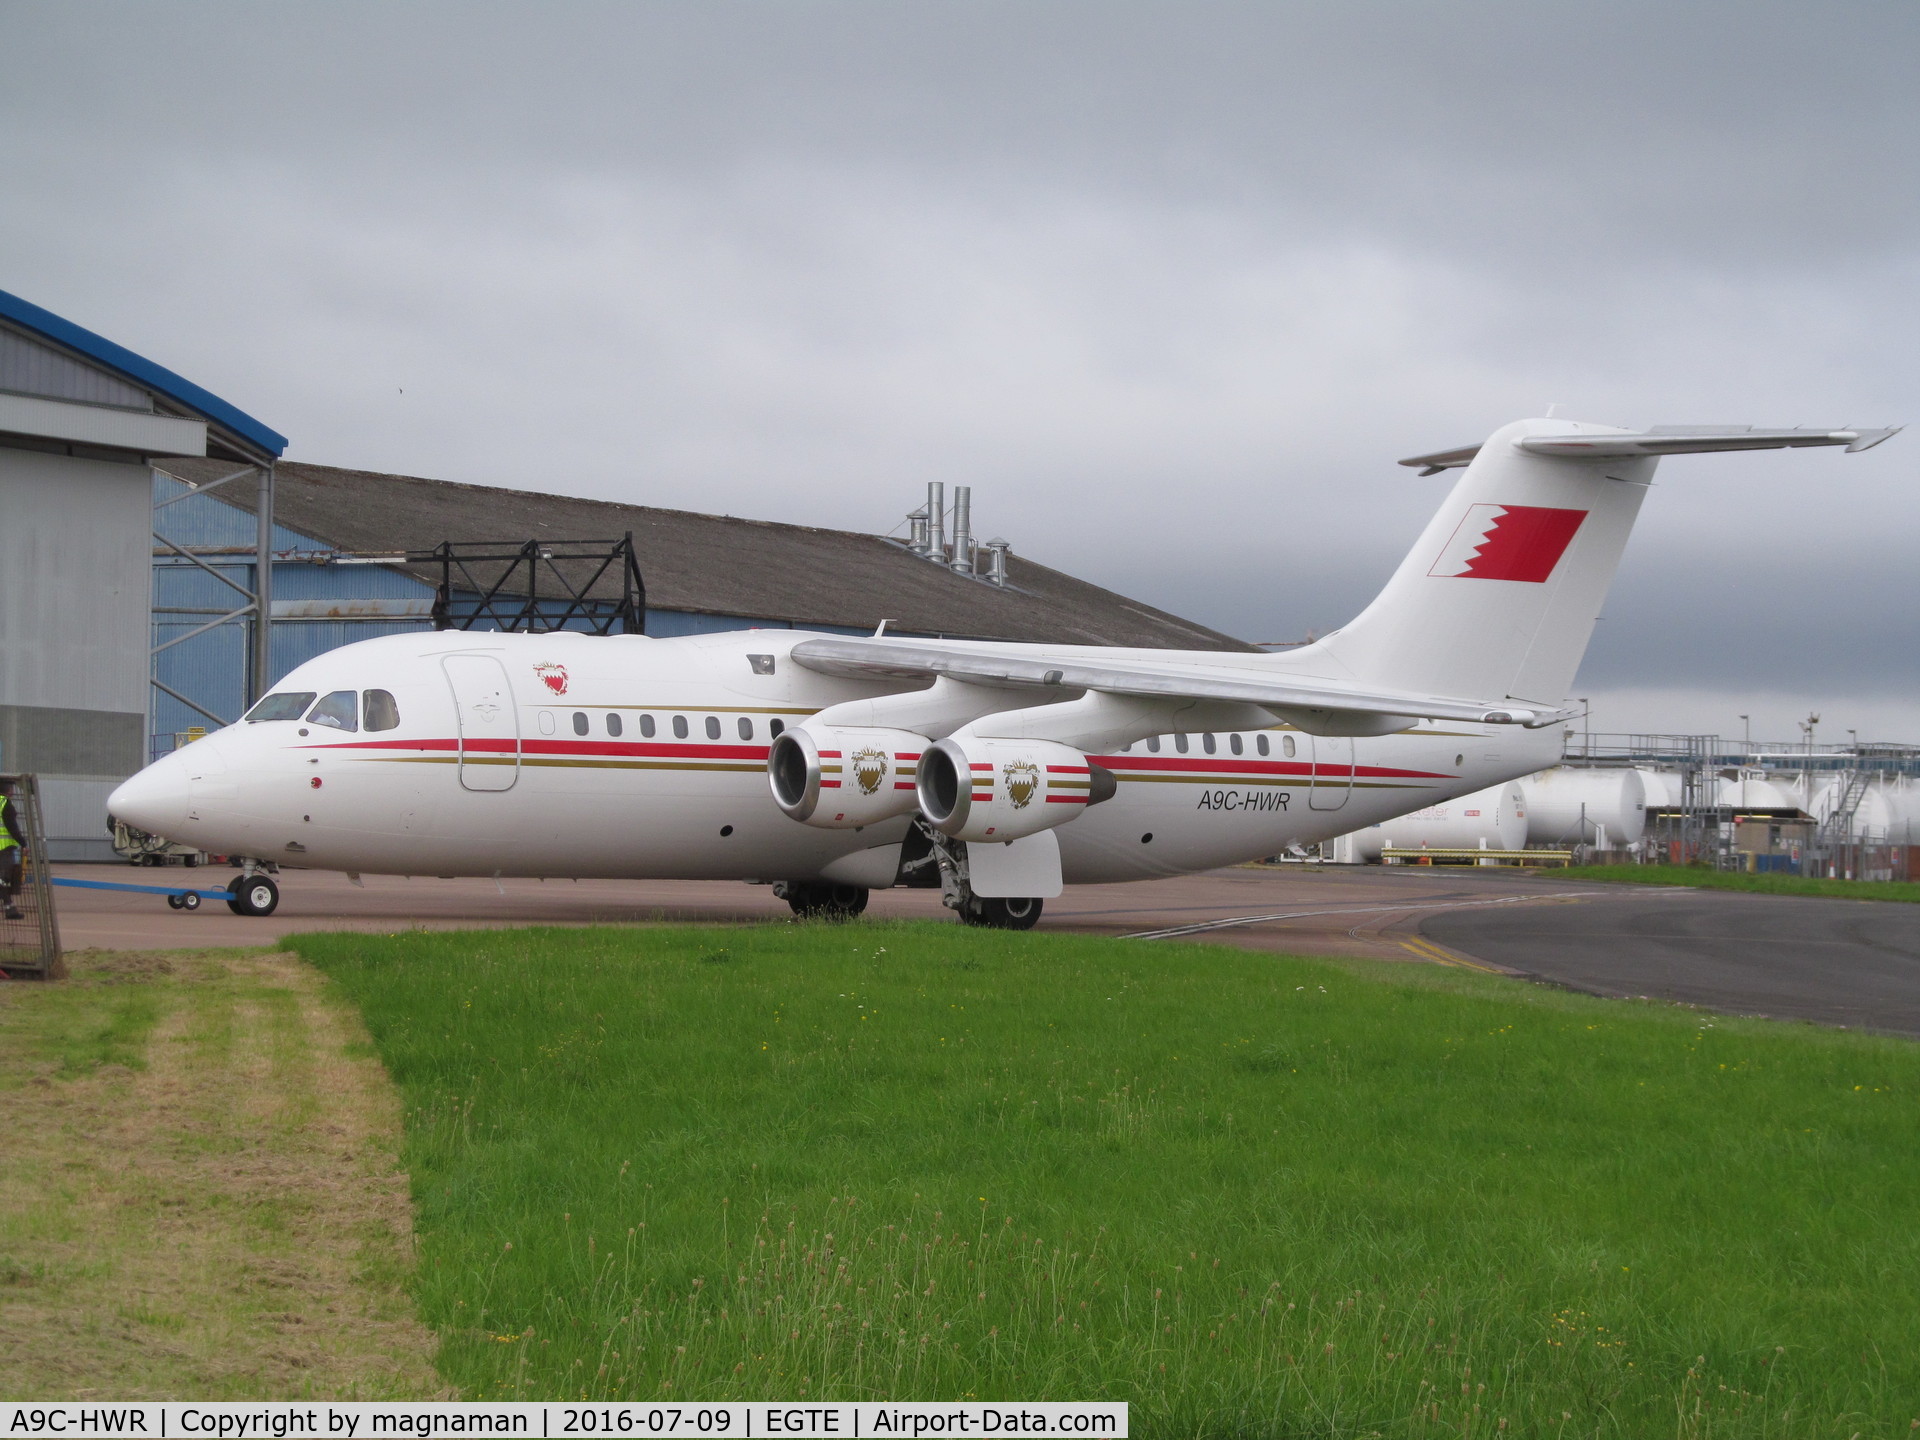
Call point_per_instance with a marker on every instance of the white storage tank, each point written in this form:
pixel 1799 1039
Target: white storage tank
pixel 1877 817
pixel 1902 796
pixel 1490 819
pixel 1756 790
pixel 1665 789
pixel 1567 806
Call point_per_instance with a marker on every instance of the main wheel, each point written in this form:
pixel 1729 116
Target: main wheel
pixel 1011 913
pixel 257 896
pixel 823 900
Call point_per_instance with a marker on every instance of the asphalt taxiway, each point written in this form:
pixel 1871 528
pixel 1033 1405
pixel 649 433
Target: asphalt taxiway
pixel 1837 962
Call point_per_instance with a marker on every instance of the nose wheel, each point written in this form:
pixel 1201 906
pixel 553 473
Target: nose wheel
pixel 253 895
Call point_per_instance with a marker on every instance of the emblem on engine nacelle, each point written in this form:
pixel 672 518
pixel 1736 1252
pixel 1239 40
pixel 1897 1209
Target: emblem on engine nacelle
pixel 1023 779
pixel 869 768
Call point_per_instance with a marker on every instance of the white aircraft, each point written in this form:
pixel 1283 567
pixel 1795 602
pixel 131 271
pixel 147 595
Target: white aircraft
pixel 831 766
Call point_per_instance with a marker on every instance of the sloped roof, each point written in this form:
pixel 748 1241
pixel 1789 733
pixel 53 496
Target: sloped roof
pixel 718 564
pixel 157 378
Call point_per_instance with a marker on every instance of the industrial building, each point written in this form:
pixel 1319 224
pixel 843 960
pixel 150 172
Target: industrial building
pixel 149 524
pixel 1848 812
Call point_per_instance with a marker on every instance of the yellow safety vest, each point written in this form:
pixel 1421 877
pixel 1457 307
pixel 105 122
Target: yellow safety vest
pixel 7 838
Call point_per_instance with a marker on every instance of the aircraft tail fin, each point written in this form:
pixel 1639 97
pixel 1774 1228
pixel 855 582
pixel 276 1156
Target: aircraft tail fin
pixel 1499 596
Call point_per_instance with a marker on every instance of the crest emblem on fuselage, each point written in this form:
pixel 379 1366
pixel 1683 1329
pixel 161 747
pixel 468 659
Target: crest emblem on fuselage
pixel 553 676
pixel 869 769
pixel 1023 782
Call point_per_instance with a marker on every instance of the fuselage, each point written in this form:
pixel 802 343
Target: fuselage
pixel 567 755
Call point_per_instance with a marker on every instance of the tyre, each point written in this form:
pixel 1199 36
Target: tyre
pixel 176 902
pixel 190 901
pixel 1012 913
pixel 258 896
pixel 822 900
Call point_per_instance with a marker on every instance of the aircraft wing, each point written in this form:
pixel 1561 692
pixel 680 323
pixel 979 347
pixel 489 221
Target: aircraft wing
pixel 984 663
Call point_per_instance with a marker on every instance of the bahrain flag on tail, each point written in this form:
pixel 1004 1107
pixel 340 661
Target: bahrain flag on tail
pixel 1508 542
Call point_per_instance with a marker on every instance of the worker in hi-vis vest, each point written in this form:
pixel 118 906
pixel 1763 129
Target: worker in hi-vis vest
pixel 11 851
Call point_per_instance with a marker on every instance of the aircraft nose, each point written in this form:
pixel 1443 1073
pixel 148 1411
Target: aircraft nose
pixel 155 800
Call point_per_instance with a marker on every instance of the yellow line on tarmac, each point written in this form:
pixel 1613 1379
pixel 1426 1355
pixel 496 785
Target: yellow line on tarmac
pixel 1440 955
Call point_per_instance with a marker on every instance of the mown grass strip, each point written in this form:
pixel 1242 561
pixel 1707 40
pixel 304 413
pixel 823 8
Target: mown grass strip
pixel 198 1194
pixel 1703 879
pixel 1252 1195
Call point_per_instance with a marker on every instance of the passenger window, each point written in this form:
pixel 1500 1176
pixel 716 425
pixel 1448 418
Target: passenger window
pixel 1153 744
pixel 546 721
pixel 341 710
pixel 1286 743
pixel 1234 744
pixel 614 723
pixel 579 722
pixel 288 705
pixel 774 727
pixel 746 728
pixel 381 712
pixel 646 726
pixel 679 727
pixel 713 727
pixel 1180 743
pixel 1260 744
pixel 1207 744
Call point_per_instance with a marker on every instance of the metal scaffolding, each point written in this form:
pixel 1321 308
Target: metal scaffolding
pixel 255 603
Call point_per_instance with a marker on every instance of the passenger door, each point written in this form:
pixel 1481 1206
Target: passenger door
pixel 488 724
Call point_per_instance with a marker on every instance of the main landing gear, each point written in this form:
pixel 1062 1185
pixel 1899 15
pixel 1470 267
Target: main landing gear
pixel 927 845
pixel 999 914
pixel 253 895
pixel 821 899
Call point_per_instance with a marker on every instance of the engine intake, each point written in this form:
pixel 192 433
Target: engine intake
pixel 840 778
pixel 974 788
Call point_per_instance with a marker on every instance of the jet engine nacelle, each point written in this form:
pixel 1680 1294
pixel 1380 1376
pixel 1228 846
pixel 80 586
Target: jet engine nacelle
pixel 843 777
pixel 975 788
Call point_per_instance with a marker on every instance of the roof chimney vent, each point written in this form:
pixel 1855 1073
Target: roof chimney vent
pixel 963 529
pixel 997 561
pixel 936 521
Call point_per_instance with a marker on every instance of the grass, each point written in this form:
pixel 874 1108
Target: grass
pixel 1252 1195
pixel 198 1194
pixel 1705 879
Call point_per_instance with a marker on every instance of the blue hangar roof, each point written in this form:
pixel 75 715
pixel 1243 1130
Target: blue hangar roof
pixel 142 371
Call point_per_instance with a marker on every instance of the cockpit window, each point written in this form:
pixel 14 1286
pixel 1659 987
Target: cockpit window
pixel 381 712
pixel 287 705
pixel 341 710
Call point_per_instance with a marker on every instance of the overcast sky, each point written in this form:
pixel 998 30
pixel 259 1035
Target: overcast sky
pixel 1171 285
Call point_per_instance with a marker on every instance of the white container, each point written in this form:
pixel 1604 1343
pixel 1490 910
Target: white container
pixel 1566 806
pixel 1490 819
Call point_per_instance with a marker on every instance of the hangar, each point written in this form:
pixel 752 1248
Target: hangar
pixel 147 522
pixel 82 420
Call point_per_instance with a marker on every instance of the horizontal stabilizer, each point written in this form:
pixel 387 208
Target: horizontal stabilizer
pixel 1661 440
